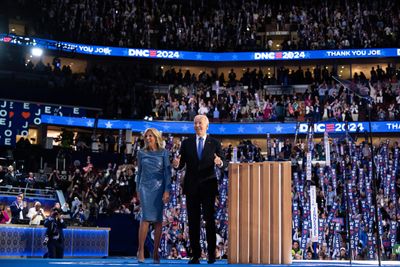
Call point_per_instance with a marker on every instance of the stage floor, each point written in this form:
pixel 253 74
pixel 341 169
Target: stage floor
pixel 87 262
pixel 25 262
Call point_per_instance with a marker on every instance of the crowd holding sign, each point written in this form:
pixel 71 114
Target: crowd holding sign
pixel 333 205
pixel 345 198
pixel 333 213
pixel 16 117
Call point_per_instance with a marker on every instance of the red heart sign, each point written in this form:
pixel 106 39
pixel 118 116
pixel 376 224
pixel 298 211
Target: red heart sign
pixel 11 114
pixel 25 115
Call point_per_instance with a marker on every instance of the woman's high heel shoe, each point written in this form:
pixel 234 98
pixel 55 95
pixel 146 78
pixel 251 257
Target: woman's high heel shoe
pixel 156 258
pixel 139 259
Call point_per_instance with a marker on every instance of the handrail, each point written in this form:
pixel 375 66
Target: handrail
pixel 47 193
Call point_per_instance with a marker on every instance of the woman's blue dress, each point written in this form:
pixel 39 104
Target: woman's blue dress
pixel 153 179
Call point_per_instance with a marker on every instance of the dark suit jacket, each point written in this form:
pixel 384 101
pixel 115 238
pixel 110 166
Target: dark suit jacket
pixel 200 171
pixel 15 209
pixel 50 223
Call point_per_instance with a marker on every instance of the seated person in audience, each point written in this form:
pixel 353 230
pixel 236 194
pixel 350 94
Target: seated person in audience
pixel 122 209
pixel 36 214
pixel 309 255
pixel 41 181
pixel 74 195
pixel 75 204
pixel 220 253
pixel 66 211
pixel 57 206
pixel 30 180
pixel 54 179
pixel 81 214
pixel 297 253
pixel 2 177
pixel 343 254
pixel 322 254
pixel 11 176
pixel 4 217
pixel 174 254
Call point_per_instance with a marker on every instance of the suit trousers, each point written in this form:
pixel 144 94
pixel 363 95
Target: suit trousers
pixel 56 249
pixel 202 199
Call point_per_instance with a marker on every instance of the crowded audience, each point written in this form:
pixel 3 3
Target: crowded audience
pixel 343 194
pixel 227 97
pixel 216 25
pixel 344 179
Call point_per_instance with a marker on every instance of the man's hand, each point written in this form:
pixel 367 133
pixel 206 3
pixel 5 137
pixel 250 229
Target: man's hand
pixel 176 161
pixel 217 160
pixel 165 197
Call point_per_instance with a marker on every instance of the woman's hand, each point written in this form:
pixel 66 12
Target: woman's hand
pixel 166 197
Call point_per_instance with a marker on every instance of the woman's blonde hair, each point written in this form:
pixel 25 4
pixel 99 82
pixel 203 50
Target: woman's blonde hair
pixel 157 135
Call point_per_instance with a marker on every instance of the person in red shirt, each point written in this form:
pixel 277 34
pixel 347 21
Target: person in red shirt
pixel 4 217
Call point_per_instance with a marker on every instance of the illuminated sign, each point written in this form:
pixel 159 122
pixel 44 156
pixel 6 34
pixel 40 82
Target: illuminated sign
pixel 199 56
pixel 153 53
pixel 339 127
pixel 16 117
pixel 180 127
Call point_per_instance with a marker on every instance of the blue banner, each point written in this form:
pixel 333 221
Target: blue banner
pixel 296 215
pixel 304 236
pixel 370 246
pixel 178 127
pixel 321 231
pixel 198 56
pixel 17 116
pixel 356 234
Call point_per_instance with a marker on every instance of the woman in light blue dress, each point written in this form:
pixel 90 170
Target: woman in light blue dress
pixel 153 186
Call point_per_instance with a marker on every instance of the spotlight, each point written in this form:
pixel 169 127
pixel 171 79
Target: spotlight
pixel 37 52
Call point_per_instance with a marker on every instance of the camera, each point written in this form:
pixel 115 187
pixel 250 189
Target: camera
pixel 45 240
pixel 54 214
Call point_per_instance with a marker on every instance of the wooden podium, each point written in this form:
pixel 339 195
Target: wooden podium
pixel 260 213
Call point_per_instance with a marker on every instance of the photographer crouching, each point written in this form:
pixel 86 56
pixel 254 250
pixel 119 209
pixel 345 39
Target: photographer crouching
pixel 54 238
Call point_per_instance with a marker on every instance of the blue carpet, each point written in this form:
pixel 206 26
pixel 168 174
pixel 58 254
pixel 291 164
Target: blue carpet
pixel 88 262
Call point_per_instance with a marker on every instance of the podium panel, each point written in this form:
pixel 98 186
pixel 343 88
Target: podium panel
pixel 260 213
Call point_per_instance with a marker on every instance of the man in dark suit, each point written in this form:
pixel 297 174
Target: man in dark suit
pixel 11 177
pixel 18 211
pixel 200 154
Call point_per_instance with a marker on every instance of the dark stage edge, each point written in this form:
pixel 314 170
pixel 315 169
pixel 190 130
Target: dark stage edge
pixel 88 262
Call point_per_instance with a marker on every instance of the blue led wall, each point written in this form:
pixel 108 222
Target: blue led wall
pixel 18 241
pixel 175 127
pixel 197 55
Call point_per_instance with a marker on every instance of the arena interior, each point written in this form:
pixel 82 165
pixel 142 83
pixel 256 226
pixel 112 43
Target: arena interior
pixel 314 83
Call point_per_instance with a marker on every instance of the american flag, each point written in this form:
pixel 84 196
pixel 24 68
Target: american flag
pixel 153 53
pixel 329 127
pixel 357 89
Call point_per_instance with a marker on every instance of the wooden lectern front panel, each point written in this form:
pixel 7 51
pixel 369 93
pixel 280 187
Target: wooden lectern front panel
pixel 255 215
pixel 244 206
pixel 276 209
pixel 286 213
pixel 233 211
pixel 260 214
pixel 265 213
